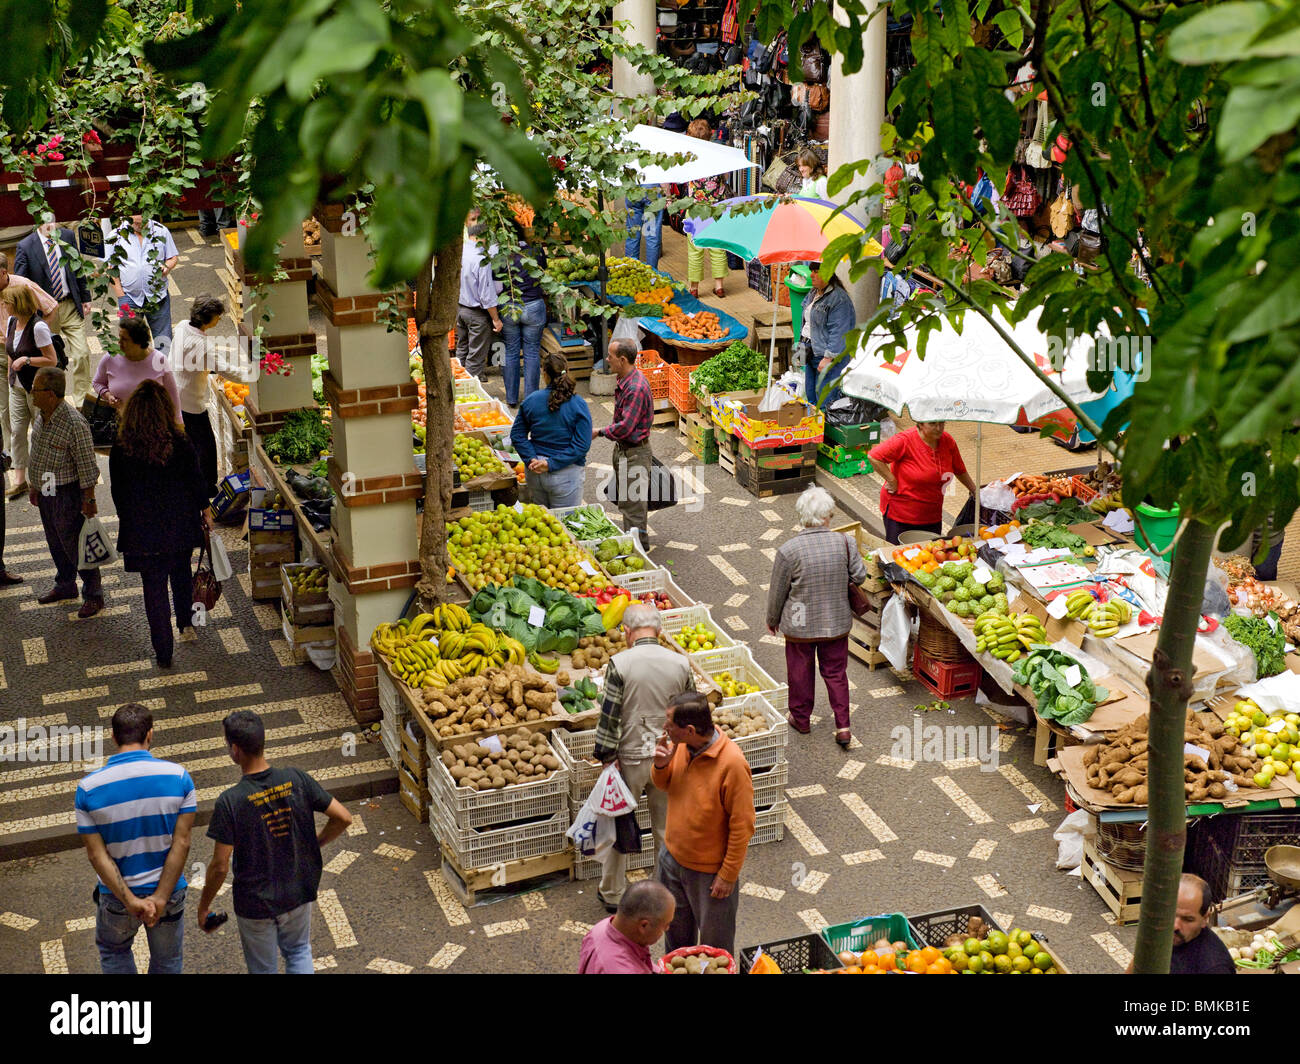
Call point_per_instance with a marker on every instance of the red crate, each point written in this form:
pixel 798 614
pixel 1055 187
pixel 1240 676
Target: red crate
pixel 1083 491
pixel 946 679
pixel 679 388
pixel 656 371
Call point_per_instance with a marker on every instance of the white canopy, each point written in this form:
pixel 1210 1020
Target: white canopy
pixel 709 157
pixel 971 375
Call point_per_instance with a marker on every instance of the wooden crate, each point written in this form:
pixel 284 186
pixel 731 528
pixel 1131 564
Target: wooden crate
pixel 665 414
pixel 864 644
pixel 465 883
pixel 412 794
pixel 1120 888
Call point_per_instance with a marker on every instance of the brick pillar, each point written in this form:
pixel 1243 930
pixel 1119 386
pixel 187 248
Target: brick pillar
pixel 370 391
pixel 288 331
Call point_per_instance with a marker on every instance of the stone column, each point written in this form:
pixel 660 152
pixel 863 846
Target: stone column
pixel 857 110
pixel 642 19
pixel 369 389
pixel 288 333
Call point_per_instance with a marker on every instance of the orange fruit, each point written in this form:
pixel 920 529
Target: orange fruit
pixel 935 969
pixel 915 962
pixel 888 962
pixel 929 954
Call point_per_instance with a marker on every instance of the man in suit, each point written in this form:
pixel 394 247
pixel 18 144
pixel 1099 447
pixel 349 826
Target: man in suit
pixel 41 259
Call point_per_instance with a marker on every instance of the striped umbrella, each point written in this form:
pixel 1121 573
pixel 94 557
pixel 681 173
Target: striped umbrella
pixel 782 229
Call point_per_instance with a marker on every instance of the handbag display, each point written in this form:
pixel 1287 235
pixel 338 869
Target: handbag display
pixel 102 419
pixel 1022 198
pixel 814 63
pixel 1089 247
pixel 1062 216
pixel 819 98
pixel 858 601
pixel 1036 150
pixel 206 586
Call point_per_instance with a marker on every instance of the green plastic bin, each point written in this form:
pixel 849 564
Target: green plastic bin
pixel 860 934
pixel 1160 525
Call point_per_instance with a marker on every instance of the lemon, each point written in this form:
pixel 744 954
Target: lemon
pixel 1043 961
pixel 1021 964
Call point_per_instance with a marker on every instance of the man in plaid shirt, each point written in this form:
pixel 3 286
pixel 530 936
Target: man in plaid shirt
pixel 808 603
pixel 630 431
pixel 63 473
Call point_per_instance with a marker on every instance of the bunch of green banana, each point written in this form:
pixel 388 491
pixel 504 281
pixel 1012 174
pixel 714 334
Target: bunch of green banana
pixel 996 634
pixel 1030 630
pixel 541 664
pixel 1105 618
pixel 451 618
pixel 1079 603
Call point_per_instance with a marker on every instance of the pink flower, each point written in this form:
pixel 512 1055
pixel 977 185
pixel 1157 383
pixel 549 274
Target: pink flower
pixel 56 140
pixel 57 156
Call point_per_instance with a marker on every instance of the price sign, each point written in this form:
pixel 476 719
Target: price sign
pixel 997 542
pixel 911 553
pixel 981 576
pixel 587 568
pixel 536 616
pixel 1013 536
pixel 1073 675
pixel 1196 751
pixel 493 743
pixel 1057 607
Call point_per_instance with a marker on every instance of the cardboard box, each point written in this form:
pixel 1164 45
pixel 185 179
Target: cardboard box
pixel 232 495
pixel 261 519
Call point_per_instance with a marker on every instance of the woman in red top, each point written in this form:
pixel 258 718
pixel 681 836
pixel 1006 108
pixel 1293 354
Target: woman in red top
pixel 916 466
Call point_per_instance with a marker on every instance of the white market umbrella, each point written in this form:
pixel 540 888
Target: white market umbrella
pixel 971 376
pixel 708 157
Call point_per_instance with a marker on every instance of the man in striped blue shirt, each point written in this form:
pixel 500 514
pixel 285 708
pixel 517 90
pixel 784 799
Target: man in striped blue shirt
pixel 135 816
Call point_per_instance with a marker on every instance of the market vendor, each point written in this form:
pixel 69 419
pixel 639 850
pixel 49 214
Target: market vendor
pixel 1197 949
pixel 916 466
pixel 553 435
pixel 828 316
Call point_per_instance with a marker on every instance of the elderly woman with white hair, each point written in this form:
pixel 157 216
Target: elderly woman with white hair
pixel 808 603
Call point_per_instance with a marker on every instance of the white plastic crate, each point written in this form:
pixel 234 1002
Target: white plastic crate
pixel 472 386
pixel 768 747
pixel 675 620
pixel 769 825
pixel 469 808
pixel 474 848
pixel 769 784
pixel 561 512
pixel 392 745
pixel 481 501
pixel 740 663
pixel 389 700
pixel 590 868
pixel 573 750
pixel 655 580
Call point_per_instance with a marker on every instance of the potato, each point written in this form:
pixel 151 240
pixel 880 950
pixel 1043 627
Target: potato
pixel 579 659
pixel 1140 795
pixel 562 678
pixel 1217 790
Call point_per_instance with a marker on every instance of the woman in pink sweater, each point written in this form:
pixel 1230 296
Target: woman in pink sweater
pixel 119 375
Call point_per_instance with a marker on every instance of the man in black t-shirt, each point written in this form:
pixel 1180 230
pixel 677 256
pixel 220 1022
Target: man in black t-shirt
pixel 1197 949
pixel 267 820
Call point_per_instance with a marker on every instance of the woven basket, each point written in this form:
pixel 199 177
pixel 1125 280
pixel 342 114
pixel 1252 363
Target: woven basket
pixel 1124 845
pixel 939 643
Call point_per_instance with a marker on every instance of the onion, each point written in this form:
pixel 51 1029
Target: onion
pixel 1247 953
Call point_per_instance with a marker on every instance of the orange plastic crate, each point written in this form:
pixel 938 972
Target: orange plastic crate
pixel 679 388
pixel 656 371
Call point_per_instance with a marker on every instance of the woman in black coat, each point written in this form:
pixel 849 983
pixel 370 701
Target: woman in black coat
pixel 161 505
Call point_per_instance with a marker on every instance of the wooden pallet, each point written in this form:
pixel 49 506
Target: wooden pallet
pixel 1120 888
pixel 727 460
pixel 467 883
pixel 234 293
pixel 664 418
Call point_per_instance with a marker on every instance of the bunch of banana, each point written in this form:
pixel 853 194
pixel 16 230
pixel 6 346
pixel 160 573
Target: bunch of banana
pixel 1104 504
pixel 481 639
pixel 996 633
pixel 541 664
pixel 415 661
pixel 387 639
pixel 451 618
pixel 1105 618
pixel 1079 603
pixel 1030 630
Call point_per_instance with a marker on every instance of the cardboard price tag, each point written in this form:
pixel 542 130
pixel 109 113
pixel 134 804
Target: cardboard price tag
pixel 981 576
pixel 536 616
pixel 1013 535
pixel 1073 675
pixel 1197 751
pixel 493 743
pixel 587 568
pixel 1057 608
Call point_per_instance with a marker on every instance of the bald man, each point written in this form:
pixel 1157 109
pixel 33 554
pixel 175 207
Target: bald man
pixel 1197 949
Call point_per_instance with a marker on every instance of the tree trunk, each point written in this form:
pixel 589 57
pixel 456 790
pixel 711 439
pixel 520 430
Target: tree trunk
pixel 1170 685
pixel 437 298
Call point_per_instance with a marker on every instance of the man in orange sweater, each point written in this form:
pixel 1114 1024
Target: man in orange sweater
pixel 710 823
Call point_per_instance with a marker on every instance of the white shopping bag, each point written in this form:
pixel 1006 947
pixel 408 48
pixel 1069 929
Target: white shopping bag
pixel 220 560
pixel 895 632
pixel 592 830
pixel 94 548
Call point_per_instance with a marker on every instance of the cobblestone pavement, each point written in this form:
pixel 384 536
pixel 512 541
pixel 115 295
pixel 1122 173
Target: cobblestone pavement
pixel 876 829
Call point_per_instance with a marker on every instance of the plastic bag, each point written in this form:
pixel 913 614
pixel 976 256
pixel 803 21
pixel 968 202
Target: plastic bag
pixel 221 568
pixel 895 632
pixel 94 548
pixel 997 496
pixel 850 411
pixel 592 830
pixel 1070 835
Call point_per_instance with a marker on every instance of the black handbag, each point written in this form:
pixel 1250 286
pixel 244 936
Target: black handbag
pixel 662 487
pixel 896 249
pixel 102 419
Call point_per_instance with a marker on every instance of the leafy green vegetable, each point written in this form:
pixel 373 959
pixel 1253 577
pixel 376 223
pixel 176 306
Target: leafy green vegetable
pixel 592 625
pixel 546 640
pixel 531 587
pixel 1266 642
pixel 1043 671
pixel 566 642
pixel 589 522
pixel 1043 534
pixel 736 368
pixel 642 310
pixel 516 601
pixel 1069 511
pixel 304 435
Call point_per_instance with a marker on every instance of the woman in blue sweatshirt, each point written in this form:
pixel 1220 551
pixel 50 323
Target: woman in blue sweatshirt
pixel 553 435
